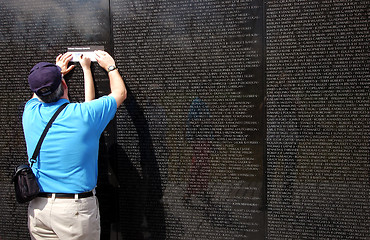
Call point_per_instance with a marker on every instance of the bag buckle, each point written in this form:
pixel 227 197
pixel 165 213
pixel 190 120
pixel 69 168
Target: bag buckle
pixel 32 161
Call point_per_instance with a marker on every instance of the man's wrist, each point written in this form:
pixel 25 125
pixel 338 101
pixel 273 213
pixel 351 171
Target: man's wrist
pixel 111 68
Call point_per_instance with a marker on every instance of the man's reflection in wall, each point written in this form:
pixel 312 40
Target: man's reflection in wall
pixel 199 134
pixel 283 135
pixel 156 116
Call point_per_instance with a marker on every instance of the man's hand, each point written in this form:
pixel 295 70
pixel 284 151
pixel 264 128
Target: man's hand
pixel 84 61
pixel 62 61
pixel 104 59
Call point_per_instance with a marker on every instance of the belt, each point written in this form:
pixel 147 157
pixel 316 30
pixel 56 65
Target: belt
pixel 66 195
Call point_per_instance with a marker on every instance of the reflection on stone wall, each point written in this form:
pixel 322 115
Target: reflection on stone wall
pixel 195 153
pixel 195 70
pixel 317 119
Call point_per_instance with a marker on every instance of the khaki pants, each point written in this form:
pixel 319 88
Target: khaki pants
pixel 60 218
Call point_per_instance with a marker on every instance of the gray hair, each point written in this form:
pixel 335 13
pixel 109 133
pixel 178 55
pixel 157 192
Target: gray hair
pixel 54 96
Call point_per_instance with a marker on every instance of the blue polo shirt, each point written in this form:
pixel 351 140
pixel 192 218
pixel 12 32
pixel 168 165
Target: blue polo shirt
pixel 68 159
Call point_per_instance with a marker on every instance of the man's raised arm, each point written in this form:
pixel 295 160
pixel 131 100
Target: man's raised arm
pixel 117 86
pixel 88 78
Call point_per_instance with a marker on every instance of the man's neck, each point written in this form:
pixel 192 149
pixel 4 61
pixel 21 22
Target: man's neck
pixel 63 97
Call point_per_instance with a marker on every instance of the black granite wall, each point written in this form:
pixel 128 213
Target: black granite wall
pixel 317 78
pixel 245 119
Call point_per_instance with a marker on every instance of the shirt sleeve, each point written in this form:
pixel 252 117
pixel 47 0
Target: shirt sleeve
pixel 31 103
pixel 102 111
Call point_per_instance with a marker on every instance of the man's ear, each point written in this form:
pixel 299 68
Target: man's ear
pixel 65 90
pixel 64 84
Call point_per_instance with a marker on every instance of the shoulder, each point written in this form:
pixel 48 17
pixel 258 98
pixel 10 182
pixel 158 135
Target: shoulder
pixel 106 102
pixel 108 99
pixel 32 105
pixel 105 105
pixel 33 102
pixel 97 112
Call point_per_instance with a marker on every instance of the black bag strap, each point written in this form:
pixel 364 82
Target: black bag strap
pixel 38 146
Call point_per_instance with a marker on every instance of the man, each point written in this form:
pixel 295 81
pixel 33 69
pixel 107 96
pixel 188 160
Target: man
pixel 66 167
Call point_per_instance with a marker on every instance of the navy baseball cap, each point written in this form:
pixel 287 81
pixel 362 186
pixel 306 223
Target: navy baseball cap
pixel 44 78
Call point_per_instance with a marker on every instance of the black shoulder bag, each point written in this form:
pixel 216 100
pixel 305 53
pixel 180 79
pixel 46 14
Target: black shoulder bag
pixel 25 182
